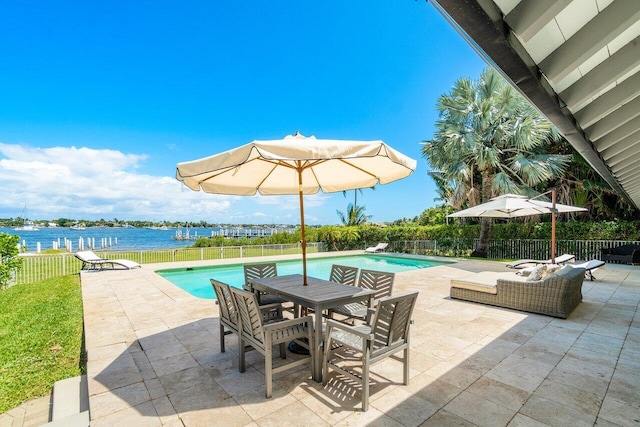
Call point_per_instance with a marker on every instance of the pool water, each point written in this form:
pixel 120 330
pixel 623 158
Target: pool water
pixel 196 280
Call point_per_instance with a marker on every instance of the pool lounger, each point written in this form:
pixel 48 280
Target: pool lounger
pixel 91 261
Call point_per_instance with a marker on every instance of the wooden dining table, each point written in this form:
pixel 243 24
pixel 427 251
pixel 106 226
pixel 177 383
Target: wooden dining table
pixel 319 295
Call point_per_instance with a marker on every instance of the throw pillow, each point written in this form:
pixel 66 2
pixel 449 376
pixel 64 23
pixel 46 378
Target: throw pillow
pixel 537 273
pixel 525 271
pixel 551 268
pixel 564 270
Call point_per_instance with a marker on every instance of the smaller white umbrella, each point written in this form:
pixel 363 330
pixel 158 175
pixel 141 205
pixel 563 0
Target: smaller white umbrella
pixel 515 205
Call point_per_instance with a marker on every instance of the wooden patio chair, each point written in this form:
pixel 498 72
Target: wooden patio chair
pixel 263 337
pixel 343 274
pixel 385 334
pixel 259 271
pixel 379 281
pixel 229 313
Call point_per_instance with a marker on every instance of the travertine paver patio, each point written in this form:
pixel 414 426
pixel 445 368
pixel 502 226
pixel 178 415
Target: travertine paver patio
pixel 154 359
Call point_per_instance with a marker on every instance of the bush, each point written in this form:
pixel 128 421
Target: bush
pixel 10 262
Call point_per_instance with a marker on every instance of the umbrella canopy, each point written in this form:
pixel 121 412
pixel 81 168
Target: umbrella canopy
pixel 296 165
pixel 514 205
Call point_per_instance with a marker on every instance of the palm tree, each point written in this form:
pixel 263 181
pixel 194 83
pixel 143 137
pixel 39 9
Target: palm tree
pixel 355 195
pixel 354 215
pixel 489 141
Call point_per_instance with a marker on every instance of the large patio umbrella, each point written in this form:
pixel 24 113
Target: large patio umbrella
pixel 296 165
pixel 514 205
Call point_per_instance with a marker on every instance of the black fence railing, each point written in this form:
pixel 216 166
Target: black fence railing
pixel 509 249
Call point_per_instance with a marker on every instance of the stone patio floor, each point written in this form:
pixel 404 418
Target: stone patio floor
pixel 154 359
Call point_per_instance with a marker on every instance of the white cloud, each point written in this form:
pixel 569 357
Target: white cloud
pixel 89 183
pixel 86 183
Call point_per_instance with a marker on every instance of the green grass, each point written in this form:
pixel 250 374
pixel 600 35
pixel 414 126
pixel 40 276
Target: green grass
pixel 40 338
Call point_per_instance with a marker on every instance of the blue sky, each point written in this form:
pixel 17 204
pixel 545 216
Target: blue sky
pixel 101 100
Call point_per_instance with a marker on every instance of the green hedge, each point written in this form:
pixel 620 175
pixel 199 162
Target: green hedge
pixel 358 237
pixel 346 238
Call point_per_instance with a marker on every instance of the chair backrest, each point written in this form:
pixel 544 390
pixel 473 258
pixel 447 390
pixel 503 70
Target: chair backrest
pixel 343 274
pixel 259 271
pixel 379 281
pixel 249 314
pixel 564 258
pixel 227 306
pixel 87 256
pixel 390 324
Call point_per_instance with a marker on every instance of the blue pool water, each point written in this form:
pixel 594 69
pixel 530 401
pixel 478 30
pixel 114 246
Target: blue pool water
pixel 196 280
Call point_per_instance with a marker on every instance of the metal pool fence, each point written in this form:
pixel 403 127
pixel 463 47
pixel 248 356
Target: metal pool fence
pixel 40 267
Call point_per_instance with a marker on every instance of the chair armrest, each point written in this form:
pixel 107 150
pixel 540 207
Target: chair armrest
pixel 334 324
pixel 274 306
pixel 287 323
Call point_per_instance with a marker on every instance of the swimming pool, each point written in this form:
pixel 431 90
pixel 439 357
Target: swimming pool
pixel 196 280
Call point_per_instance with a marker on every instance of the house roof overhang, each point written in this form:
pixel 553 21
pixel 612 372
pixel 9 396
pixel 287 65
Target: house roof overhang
pixel 578 62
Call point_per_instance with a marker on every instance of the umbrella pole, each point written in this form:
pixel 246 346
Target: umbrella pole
pixel 553 226
pixel 303 240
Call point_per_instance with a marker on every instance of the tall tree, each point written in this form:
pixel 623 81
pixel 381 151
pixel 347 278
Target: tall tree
pixel 355 195
pixel 489 141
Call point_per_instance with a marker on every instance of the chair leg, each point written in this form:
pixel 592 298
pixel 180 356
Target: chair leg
pixel 241 351
pixel 222 349
pixel 268 374
pixel 405 362
pixel 283 350
pixel 325 361
pixel 312 349
pixel 365 381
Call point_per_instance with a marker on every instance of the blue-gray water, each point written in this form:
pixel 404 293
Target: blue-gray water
pixel 127 238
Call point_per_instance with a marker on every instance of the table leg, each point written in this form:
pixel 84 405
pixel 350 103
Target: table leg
pixel 317 345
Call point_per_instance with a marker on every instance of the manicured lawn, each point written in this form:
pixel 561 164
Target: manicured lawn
pixel 40 338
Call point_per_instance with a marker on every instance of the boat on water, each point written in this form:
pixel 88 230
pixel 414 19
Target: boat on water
pixel 78 226
pixel 153 227
pixel 27 225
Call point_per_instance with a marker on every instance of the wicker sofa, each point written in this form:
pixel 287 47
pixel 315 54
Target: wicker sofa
pixel 554 296
pixel 626 254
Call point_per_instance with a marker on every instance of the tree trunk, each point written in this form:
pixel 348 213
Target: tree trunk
pixel 485 223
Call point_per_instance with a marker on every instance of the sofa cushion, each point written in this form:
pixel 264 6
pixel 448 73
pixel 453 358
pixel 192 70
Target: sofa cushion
pixel 484 281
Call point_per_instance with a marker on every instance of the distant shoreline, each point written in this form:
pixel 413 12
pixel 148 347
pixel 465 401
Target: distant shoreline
pixel 109 238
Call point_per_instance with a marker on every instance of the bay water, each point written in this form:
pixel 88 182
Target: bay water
pixel 123 239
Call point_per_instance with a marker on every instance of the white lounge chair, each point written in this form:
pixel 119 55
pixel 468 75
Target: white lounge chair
pixel 521 263
pixel 380 247
pixel 91 261
pixel 589 266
